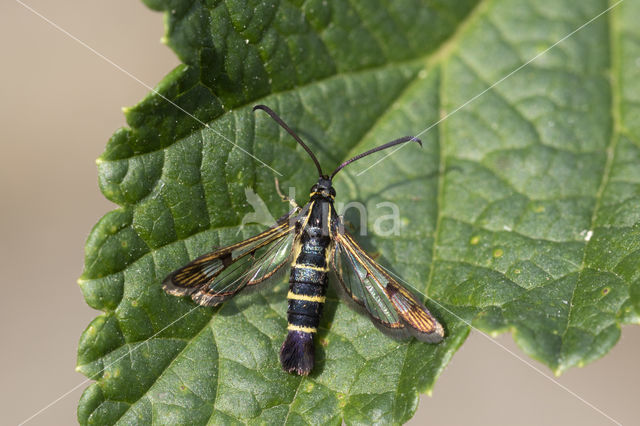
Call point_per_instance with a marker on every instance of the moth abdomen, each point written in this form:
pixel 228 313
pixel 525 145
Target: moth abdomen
pixel 306 297
pixel 307 287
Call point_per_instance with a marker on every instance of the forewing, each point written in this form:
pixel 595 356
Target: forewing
pixel 387 302
pixel 254 268
pixel 219 275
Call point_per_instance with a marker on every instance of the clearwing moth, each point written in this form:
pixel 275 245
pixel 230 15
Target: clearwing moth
pixel 311 239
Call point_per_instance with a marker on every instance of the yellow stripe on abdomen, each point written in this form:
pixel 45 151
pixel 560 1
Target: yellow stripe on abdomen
pixel 293 327
pixel 317 299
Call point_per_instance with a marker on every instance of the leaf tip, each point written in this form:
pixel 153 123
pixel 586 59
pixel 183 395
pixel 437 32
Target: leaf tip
pixel 83 369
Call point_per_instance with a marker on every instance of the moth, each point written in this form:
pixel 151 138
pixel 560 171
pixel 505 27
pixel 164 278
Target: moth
pixel 313 241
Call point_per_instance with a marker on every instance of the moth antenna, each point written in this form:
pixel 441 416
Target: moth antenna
pixel 371 151
pixel 292 133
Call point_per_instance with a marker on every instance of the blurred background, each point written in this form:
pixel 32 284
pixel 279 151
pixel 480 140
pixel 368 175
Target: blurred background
pixel 59 104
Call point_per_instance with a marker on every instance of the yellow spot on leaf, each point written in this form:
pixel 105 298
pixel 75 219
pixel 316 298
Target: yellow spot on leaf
pixel 475 240
pixel 498 252
pixel 342 400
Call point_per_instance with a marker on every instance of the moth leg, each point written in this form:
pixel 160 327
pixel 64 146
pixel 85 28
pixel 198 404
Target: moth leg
pixel 284 198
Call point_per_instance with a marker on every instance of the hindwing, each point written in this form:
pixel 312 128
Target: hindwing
pixel 387 302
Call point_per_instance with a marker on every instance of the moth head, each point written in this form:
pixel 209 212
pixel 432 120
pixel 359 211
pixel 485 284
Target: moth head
pixel 323 188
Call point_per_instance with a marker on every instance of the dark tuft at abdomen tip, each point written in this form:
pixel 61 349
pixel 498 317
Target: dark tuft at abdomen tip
pixel 297 353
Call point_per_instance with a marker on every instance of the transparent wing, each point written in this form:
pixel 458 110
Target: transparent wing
pixel 387 302
pixel 221 274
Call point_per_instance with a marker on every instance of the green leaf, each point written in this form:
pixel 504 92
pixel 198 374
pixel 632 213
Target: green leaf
pixel 521 212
